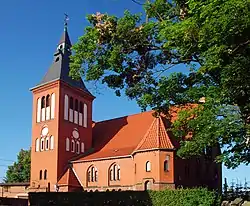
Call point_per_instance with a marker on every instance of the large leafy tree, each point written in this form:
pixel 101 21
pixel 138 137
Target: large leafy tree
pixel 20 170
pixel 209 39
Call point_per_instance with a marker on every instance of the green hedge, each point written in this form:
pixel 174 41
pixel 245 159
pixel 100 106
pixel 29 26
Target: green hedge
pixel 180 197
pixel 184 197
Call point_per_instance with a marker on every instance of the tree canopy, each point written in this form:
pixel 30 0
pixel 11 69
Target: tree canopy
pixel 209 39
pixel 20 170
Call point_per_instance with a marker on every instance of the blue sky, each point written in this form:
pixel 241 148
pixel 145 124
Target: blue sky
pixel 30 31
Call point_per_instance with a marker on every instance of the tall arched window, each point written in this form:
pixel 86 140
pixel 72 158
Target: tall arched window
pixel 148 166
pixel 67 144
pixel 85 115
pixel 66 107
pixel 92 174
pixel 37 145
pixel 45 175
pixel 48 107
pixel 80 113
pixel 52 142
pixel 53 105
pixel 43 102
pixel 38 110
pixel 72 145
pixel 43 108
pixel 76 105
pixel 71 109
pixel 76 112
pixel 114 172
pixel 40 175
pixel 71 103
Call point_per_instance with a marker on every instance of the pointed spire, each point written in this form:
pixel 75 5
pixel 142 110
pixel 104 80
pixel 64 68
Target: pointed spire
pixel 65 36
pixel 59 70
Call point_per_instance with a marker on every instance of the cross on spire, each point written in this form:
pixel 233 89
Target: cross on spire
pixel 66 19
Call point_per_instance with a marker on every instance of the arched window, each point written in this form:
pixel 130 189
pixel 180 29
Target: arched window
pixel 77 147
pixel 82 147
pixel 166 164
pixel 76 105
pixel 38 108
pixel 47 143
pixel 67 144
pixel 85 115
pixel 81 107
pixel 52 142
pixel 92 174
pixel 96 175
pixel 118 173
pixel 115 172
pixel 72 146
pixel 111 174
pixel 71 111
pixel 71 103
pixel 48 100
pixel 45 175
pixel 76 112
pixel 148 166
pixel 43 102
pixel 43 108
pixel 37 145
pixel 42 144
pixel 40 175
pixel 66 107
pixel 53 105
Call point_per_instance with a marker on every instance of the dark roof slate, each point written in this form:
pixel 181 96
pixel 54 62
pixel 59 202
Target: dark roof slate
pixel 59 70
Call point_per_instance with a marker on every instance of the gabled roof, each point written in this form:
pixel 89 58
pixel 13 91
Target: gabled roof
pixel 69 178
pixel 59 69
pixel 125 135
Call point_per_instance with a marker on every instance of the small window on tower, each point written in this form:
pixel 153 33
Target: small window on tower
pixel 41 174
pixel 81 108
pixel 76 105
pixel 71 103
pixel 45 175
pixel 43 102
pixel 47 100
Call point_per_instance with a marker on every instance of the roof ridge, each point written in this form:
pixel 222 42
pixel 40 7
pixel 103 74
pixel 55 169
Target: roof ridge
pixel 135 114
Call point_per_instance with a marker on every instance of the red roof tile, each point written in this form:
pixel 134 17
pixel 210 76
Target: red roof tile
pixel 156 137
pixel 69 178
pixel 125 135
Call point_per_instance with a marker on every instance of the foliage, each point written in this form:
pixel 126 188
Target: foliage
pixel 179 197
pixel 20 170
pixel 184 197
pixel 208 39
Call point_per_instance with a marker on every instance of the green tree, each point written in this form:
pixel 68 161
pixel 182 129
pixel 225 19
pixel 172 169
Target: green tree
pixel 20 170
pixel 209 39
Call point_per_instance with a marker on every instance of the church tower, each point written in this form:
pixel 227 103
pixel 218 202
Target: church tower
pixel 61 121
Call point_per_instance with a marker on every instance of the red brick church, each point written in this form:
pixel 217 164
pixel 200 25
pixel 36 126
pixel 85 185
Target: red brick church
pixel 71 152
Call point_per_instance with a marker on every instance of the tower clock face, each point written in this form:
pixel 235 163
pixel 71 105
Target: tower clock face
pixel 45 131
pixel 75 134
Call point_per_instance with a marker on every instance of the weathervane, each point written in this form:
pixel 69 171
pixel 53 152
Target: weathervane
pixel 66 19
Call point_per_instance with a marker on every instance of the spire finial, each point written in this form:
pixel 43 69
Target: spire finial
pixel 66 19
